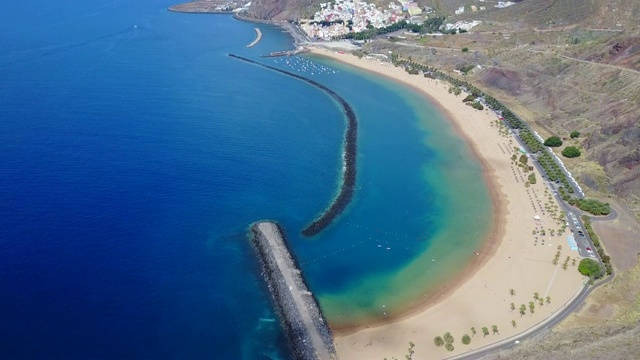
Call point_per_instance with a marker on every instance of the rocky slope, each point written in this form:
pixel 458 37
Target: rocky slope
pixel 282 9
pixel 560 74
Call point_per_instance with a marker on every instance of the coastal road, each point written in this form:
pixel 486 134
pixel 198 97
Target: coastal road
pixel 547 325
pixel 574 222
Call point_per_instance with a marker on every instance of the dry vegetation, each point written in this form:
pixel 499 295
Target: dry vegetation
pixel 562 65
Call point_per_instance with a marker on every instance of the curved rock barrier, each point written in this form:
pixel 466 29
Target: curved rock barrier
pixel 348 155
pixel 304 325
pixel 258 38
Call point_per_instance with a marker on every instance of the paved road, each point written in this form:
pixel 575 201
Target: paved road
pixel 612 216
pixel 575 224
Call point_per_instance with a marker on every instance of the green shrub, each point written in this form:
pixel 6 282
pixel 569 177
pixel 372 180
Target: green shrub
pixel 591 268
pixel 593 206
pixel 465 49
pixel 553 141
pixel 477 106
pixel 466 339
pixel 469 98
pixel 448 338
pixel 438 341
pixel 571 152
pixel 574 134
pixel 465 69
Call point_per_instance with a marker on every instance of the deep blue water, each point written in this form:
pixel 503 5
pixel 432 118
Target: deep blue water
pixel 134 156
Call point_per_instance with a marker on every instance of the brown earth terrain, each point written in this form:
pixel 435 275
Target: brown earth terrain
pixel 573 76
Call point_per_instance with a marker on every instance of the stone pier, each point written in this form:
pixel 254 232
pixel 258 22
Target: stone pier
pixel 305 327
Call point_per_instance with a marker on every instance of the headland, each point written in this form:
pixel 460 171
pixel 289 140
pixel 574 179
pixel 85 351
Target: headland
pixel 347 187
pixel 203 7
pixel 515 267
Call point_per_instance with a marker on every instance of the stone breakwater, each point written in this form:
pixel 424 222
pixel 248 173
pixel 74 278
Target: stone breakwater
pixel 348 185
pixel 305 327
pixel 258 38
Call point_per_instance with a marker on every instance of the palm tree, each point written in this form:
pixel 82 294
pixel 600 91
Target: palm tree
pixel 513 323
pixel 485 331
pixel 541 302
pixel 473 331
pixel 523 309
pixel 494 329
pixel 512 292
pixel 532 307
pixel 438 341
pixel 513 306
pixel 466 339
pixel 536 295
pixel 449 346
pixel 548 299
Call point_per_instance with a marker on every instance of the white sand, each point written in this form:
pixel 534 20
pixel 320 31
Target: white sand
pixel 482 298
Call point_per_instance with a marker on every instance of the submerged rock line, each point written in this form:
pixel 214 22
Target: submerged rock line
pixel 348 155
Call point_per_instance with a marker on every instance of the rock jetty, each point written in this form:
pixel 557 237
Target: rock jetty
pixel 258 38
pixel 347 188
pixel 305 327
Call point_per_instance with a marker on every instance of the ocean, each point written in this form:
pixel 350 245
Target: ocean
pixel 136 153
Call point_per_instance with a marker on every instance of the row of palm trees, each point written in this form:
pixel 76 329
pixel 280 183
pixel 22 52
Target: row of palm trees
pixel 447 339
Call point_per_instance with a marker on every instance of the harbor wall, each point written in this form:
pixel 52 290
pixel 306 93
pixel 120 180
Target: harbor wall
pixel 307 332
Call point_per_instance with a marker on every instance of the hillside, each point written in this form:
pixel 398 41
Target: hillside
pixel 574 77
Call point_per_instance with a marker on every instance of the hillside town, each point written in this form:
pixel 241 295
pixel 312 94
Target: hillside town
pixel 341 17
pixel 345 16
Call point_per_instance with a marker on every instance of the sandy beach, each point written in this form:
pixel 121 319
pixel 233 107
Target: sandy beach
pixel 518 256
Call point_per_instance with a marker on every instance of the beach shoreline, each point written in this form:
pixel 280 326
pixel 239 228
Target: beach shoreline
pixel 489 244
pixel 474 287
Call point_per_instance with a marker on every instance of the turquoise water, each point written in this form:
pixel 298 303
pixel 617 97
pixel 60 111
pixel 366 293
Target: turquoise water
pixel 136 153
